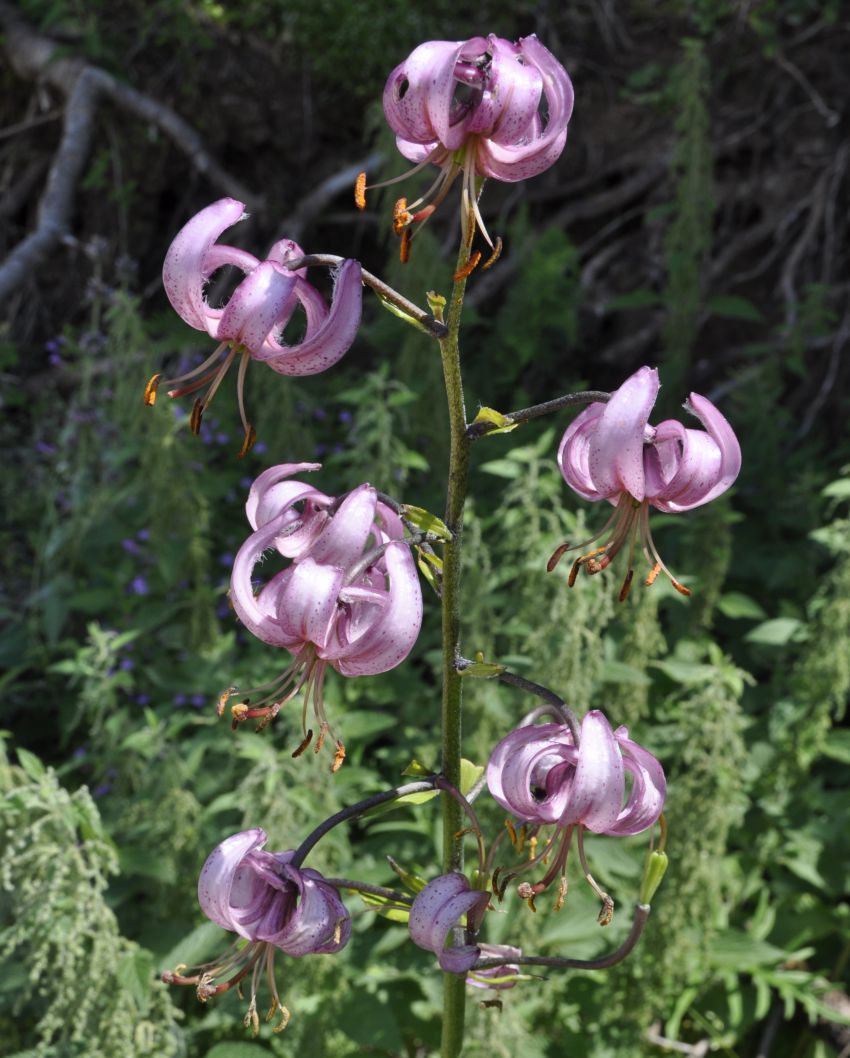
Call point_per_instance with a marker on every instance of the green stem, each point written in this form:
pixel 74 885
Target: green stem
pixel 454 995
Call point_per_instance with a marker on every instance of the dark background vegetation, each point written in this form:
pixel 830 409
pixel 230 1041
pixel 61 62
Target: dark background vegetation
pixel 697 221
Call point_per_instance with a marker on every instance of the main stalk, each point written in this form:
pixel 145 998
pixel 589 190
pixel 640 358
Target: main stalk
pixel 454 995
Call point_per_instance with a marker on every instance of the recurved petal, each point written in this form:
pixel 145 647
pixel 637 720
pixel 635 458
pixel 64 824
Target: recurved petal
pixel 515 88
pixel 418 92
pixel 386 640
pixel 344 536
pixel 615 448
pixel 490 978
pixel 309 604
pixel 521 161
pixel 596 795
pixel 260 613
pixel 319 923
pixel 436 910
pixel 266 497
pixel 574 452
pixel 255 306
pixel 216 881
pixel 331 340
pixel 720 465
pixel 649 788
pixel 519 766
pixel 184 272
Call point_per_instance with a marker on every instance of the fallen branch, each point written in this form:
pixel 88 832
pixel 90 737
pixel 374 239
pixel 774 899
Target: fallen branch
pixel 37 58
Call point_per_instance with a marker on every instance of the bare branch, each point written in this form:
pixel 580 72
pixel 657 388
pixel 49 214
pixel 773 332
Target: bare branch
pixel 35 57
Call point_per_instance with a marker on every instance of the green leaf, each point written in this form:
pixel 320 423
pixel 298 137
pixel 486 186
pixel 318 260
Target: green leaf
pixel 776 632
pixel 416 770
pixel 201 944
pixel 839 489
pixel 501 423
pixel 424 520
pixel 31 765
pixel 502 468
pixel 620 672
pixel 402 315
pixel 469 774
pixel 734 308
pixel 481 669
pixel 685 671
pixel 837 746
pixel 363 724
pixel 411 881
pixel 233 1049
pixel 383 906
pixel 735 604
pixel 135 974
pixel 735 950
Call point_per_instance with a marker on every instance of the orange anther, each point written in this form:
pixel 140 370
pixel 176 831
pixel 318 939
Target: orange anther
pixel 680 588
pixel 557 555
pixel 150 391
pixel 305 742
pixel 653 575
pixel 360 191
pixel 223 699
pixel 339 757
pixel 404 248
pixel 468 268
pixel 248 443
pixel 401 218
pixel 196 416
pixel 494 256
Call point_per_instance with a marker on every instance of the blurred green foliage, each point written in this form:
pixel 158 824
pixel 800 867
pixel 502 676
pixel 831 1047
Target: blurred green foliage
pixel 117 778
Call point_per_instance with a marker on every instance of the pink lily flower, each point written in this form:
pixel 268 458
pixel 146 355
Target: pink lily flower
pixel 350 599
pixel 473 107
pixel 436 913
pixel 273 906
pixel 610 452
pixel 250 326
pixel 541 777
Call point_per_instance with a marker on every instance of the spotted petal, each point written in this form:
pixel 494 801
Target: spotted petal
pixel 225 884
pixel 190 262
pixel 615 452
pixel 436 910
pixel 325 344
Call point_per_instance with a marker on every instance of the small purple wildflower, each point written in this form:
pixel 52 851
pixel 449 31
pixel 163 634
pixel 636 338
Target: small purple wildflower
pixel 142 699
pixel 139 586
pixel 180 699
pixel 130 546
pixel 198 701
